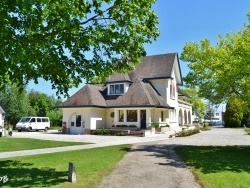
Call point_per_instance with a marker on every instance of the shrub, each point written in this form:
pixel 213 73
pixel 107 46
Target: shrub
pixel 133 126
pixel 165 125
pixel 121 125
pixel 102 132
pixel 120 134
pixel 234 113
pixel 187 132
pixel 155 125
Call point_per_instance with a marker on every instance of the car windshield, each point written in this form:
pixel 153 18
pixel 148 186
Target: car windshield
pixel 24 120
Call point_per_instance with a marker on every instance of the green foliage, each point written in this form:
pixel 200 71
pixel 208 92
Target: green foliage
pixel 67 41
pixel 55 117
pixel 133 126
pixel 218 166
pixel 165 125
pixel 15 101
pixel 234 113
pixel 187 132
pixel 155 125
pixel 19 103
pixel 102 132
pixel 222 70
pixel 120 134
pixel 198 106
pixel 121 125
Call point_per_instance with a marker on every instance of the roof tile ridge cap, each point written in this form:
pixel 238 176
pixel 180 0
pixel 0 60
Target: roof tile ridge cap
pixel 150 100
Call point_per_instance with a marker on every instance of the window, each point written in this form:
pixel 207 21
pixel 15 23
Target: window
pixel 131 115
pixel 121 115
pixel 33 120
pixel 39 120
pixel 45 120
pixel 116 89
pixel 217 114
pixel 172 89
pixel 161 116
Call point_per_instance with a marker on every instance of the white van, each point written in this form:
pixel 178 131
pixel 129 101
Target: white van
pixel 33 123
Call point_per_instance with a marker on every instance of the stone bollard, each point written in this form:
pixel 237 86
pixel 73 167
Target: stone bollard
pixel 72 173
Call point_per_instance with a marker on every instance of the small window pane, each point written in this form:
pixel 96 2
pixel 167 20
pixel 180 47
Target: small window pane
pixel 116 89
pixel 111 89
pixel 121 88
pixel 132 116
pixel 121 116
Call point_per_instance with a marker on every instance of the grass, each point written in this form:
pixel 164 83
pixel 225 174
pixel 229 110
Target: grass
pixel 218 166
pixel 51 170
pixel 247 130
pixel 17 144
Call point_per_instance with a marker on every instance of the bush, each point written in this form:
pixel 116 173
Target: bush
pixel 165 125
pixel 234 113
pixel 187 132
pixel 102 132
pixel 121 125
pixel 120 134
pixel 134 126
pixel 155 125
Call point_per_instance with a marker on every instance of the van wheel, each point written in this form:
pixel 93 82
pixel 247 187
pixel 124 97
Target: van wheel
pixel 30 128
pixel 19 130
pixel 46 129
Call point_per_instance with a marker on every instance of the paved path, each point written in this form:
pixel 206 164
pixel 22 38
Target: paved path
pixel 151 162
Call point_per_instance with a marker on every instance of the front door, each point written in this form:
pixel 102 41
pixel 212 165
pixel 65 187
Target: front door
pixel 77 124
pixel 143 119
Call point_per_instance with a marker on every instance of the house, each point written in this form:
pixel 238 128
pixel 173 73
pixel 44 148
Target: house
pixel 148 94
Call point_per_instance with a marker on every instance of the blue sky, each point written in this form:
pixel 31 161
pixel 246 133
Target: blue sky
pixel 182 21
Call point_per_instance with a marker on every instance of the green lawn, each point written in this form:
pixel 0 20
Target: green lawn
pixel 51 170
pixel 247 130
pixel 218 167
pixel 16 144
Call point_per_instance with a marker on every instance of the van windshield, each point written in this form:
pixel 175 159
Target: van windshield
pixel 24 120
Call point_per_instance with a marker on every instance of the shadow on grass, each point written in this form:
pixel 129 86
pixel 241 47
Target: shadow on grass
pixel 23 175
pixel 212 159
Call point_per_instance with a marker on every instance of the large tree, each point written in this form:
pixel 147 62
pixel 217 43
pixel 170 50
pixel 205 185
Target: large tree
pixel 199 106
pixel 16 102
pixel 222 70
pixel 65 41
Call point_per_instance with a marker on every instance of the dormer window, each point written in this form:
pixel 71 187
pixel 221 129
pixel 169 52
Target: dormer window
pixel 116 89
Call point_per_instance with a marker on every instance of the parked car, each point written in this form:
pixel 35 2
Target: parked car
pixel 219 123
pixel 33 123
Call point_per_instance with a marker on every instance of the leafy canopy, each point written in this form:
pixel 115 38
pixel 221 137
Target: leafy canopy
pixel 65 41
pixel 222 70
pixel 199 107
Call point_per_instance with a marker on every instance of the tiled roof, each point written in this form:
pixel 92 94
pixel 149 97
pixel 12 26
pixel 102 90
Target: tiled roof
pixel 118 77
pixel 139 94
pixel 89 95
pixel 156 66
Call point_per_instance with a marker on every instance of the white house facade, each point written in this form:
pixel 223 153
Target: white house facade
pixel 149 94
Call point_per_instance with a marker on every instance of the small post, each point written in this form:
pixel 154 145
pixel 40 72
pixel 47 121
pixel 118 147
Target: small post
pixel 72 173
